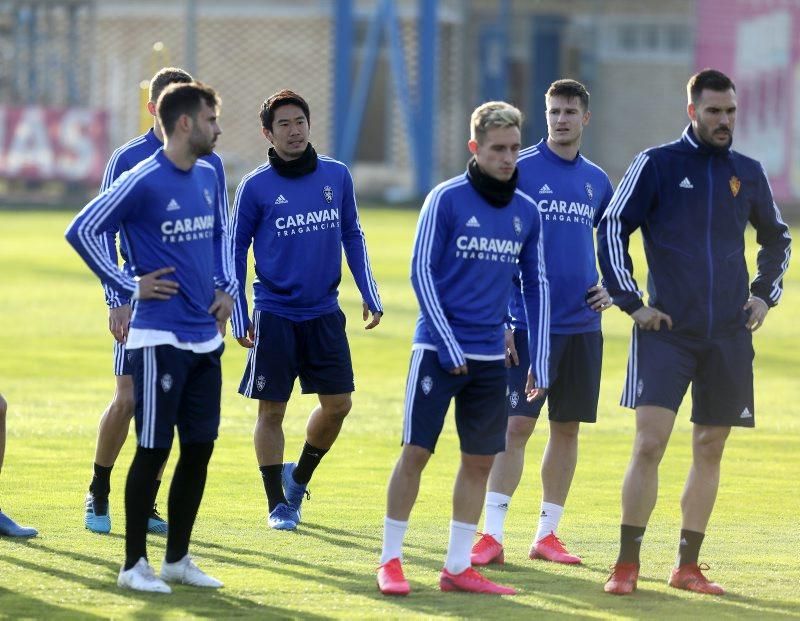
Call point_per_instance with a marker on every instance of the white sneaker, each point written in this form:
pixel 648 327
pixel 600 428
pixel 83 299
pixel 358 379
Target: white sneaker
pixel 185 571
pixel 141 577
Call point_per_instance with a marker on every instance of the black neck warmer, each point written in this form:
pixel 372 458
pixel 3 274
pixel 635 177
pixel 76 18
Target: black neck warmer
pixel 303 165
pixel 497 193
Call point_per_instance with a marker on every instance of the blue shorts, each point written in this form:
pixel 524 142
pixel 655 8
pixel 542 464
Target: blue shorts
pixel 122 365
pixel 481 419
pixel 172 387
pixel 316 350
pixel 575 364
pixel 661 366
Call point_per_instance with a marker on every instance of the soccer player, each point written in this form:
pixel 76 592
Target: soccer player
pixel 169 211
pixel 571 193
pixel 475 233
pixel 692 198
pixel 9 527
pixel 114 424
pixel 298 210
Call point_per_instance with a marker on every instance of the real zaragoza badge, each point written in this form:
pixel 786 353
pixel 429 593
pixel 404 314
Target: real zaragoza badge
pixel 735 185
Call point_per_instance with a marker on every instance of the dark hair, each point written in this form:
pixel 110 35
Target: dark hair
pixel 179 99
pixel 569 89
pixel 164 77
pixel 284 97
pixel 710 79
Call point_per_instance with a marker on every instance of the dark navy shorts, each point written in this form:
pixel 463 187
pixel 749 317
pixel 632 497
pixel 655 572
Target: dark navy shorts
pixel 176 387
pixel 122 365
pixel 316 350
pixel 481 419
pixel 575 364
pixel 661 366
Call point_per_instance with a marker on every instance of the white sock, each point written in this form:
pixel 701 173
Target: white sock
pixel 549 517
pixel 394 531
pixel 460 546
pixel 495 517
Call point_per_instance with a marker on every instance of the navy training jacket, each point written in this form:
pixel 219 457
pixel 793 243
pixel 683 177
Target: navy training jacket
pixel 693 203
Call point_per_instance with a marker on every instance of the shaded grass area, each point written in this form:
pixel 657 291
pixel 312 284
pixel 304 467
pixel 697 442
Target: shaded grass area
pixel 55 371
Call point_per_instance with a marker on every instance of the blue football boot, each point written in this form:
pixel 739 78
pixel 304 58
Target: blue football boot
pixel 10 528
pixel 294 492
pixel 97 517
pixel 283 517
pixel 155 523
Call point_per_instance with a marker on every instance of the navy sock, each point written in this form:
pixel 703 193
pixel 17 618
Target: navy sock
pixel 308 462
pixel 101 480
pixel 630 543
pixel 689 548
pixel 271 476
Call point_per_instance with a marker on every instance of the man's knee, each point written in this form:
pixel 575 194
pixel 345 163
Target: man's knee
pixel 567 432
pixel 520 429
pixel 123 404
pixel 649 447
pixel 413 459
pixel 477 466
pixel 336 406
pixel 709 442
pixel 271 412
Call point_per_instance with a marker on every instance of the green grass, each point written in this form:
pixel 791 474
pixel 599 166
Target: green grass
pixel 55 371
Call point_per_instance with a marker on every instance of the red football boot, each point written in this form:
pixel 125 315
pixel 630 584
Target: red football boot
pixel 551 548
pixel 391 580
pixel 622 580
pixel 690 578
pixel 471 581
pixel 487 550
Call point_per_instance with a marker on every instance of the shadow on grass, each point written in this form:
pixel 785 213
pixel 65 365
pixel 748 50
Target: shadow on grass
pixel 184 599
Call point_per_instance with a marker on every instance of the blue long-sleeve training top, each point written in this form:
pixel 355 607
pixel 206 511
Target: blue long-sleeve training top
pixel 693 203
pixel 298 227
pixel 466 252
pixel 167 217
pixel 123 159
pixel 571 196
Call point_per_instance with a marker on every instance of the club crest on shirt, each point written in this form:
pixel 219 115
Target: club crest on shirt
pixel 589 190
pixel 208 196
pixel 514 399
pixel 261 381
pixel 517 225
pixel 327 192
pixel 735 185
pixel 166 382
pixel 426 383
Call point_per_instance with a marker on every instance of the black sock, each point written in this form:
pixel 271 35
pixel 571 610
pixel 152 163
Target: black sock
pixel 139 501
pixel 185 495
pixel 271 476
pixel 308 462
pixel 630 543
pixel 689 547
pixel 101 481
pixel 156 487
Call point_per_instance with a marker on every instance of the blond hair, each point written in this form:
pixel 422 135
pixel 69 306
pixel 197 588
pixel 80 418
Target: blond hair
pixel 491 115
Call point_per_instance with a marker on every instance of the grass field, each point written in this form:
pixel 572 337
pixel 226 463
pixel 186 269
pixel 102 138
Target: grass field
pixel 55 371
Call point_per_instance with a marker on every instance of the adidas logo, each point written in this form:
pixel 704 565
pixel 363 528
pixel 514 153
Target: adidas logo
pixel 280 200
pixel 173 205
pixel 686 184
pixel 745 414
pixel 545 189
pixel 473 222
pixel 684 542
pixel 503 506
